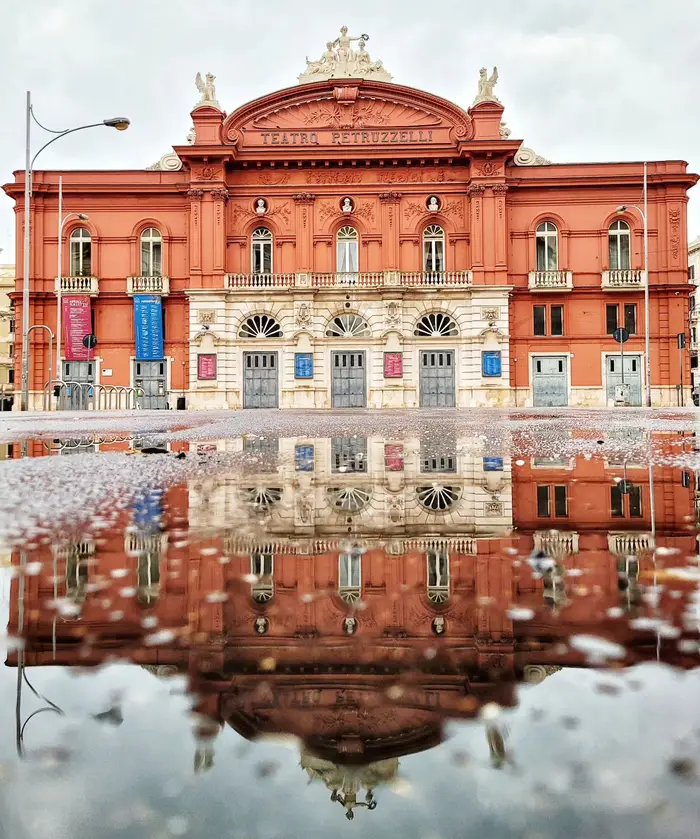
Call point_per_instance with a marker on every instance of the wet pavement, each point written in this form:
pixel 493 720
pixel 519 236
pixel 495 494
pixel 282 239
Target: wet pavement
pixel 424 624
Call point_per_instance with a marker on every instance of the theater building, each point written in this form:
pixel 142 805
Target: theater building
pixel 349 242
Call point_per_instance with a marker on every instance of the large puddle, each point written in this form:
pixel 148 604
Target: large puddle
pixel 419 632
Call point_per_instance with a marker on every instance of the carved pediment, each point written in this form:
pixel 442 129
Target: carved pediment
pixel 362 113
pixel 365 114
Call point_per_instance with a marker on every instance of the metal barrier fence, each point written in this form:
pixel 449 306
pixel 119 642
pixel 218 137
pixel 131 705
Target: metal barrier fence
pixel 85 396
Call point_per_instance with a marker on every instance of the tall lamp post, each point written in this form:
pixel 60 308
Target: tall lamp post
pixel 59 273
pixel 645 218
pixel 121 124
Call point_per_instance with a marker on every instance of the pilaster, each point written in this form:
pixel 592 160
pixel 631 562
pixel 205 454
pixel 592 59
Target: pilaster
pixel 390 202
pixel 304 218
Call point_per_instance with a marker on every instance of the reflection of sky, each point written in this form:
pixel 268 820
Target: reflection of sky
pixel 581 758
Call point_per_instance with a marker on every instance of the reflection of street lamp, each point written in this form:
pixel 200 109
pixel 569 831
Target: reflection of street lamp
pixel 645 218
pixel 59 274
pixel 121 124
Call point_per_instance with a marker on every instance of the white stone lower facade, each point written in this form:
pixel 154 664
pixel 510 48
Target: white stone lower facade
pixel 458 327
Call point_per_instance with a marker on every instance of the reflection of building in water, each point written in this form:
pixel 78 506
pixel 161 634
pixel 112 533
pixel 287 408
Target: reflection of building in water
pixel 363 642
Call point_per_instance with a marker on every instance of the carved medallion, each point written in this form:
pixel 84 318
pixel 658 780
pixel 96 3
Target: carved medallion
pixel 206 316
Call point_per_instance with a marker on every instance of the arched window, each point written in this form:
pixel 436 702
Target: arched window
pixel 619 245
pixel 434 248
pixel 347 326
pixel 151 253
pixel 437 498
pixel 438 575
pixel 80 253
pixel 263 587
pixel 260 326
pixel 261 251
pixel 435 325
pixel 347 259
pixel 262 498
pixel 348 499
pixel 350 575
pixel 148 577
pixel 547 246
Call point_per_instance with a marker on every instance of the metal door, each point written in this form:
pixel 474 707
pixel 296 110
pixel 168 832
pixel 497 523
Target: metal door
pixel 260 382
pixel 349 380
pixel 633 377
pixel 74 398
pixel 150 377
pixel 437 379
pixel 549 387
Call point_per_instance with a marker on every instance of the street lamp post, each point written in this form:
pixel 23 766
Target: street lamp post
pixel 121 124
pixel 59 273
pixel 645 218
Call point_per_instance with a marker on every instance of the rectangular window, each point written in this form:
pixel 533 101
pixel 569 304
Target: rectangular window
pixel 348 454
pixel 350 570
pixel 631 318
pixel 543 501
pixel 438 569
pixel 560 506
pixel 11 376
pixel 691 272
pixel 556 318
pixel 261 564
pixel 611 318
pixel 539 314
pixel 635 497
pixel 616 502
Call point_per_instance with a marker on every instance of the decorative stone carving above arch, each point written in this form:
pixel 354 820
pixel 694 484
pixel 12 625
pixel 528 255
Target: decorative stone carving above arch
pixel 169 162
pixel 529 157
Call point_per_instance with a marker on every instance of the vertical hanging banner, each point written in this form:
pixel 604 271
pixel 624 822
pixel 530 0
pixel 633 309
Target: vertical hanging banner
pixel 77 323
pixel 393 365
pixel 148 327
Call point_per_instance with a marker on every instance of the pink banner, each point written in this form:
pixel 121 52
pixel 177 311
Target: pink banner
pixel 77 323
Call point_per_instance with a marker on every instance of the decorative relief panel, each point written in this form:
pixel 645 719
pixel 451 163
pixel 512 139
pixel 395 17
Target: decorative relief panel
pixel 206 316
pixel 674 222
pixel 491 315
pixel 282 210
pixel 363 113
pixel 303 315
pixel 448 208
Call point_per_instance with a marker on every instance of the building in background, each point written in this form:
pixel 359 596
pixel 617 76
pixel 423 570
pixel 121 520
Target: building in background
pixel 7 337
pixel 350 242
pixel 694 279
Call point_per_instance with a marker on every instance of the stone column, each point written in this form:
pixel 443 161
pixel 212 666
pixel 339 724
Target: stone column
pixel 304 219
pixel 390 202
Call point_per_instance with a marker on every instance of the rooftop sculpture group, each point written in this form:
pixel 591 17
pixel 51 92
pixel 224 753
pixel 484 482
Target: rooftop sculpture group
pixel 341 61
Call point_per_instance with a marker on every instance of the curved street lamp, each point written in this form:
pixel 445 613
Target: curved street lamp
pixel 121 124
pixel 644 213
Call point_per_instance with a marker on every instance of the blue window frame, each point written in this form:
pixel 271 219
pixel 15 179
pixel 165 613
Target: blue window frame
pixel 491 363
pixel 303 365
pixel 493 464
pixel 304 458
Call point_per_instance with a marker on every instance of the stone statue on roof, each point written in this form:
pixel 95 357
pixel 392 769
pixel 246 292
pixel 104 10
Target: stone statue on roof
pixel 486 86
pixel 207 90
pixel 341 61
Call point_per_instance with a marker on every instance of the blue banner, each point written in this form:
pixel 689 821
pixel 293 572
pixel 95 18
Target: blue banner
pixel 148 327
pixel 491 363
pixel 303 365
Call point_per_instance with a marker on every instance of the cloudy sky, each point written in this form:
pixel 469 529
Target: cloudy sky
pixel 594 80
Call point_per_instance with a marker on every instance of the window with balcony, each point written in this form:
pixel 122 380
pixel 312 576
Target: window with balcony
pixel 80 253
pixel 434 248
pixel 619 245
pixel 621 314
pixel 552 501
pixel 547 247
pixel 347 250
pixel 350 575
pixel 625 504
pixel 541 321
pixel 151 253
pixel 261 568
pixel 261 251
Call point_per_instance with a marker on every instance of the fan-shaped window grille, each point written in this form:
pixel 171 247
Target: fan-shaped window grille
pixel 438 576
pixel 347 326
pixel 261 326
pixel 435 325
pixel 437 498
pixel 261 566
pixel 262 498
pixel 348 499
pixel 350 576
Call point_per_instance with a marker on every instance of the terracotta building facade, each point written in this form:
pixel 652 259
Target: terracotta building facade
pixel 349 242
